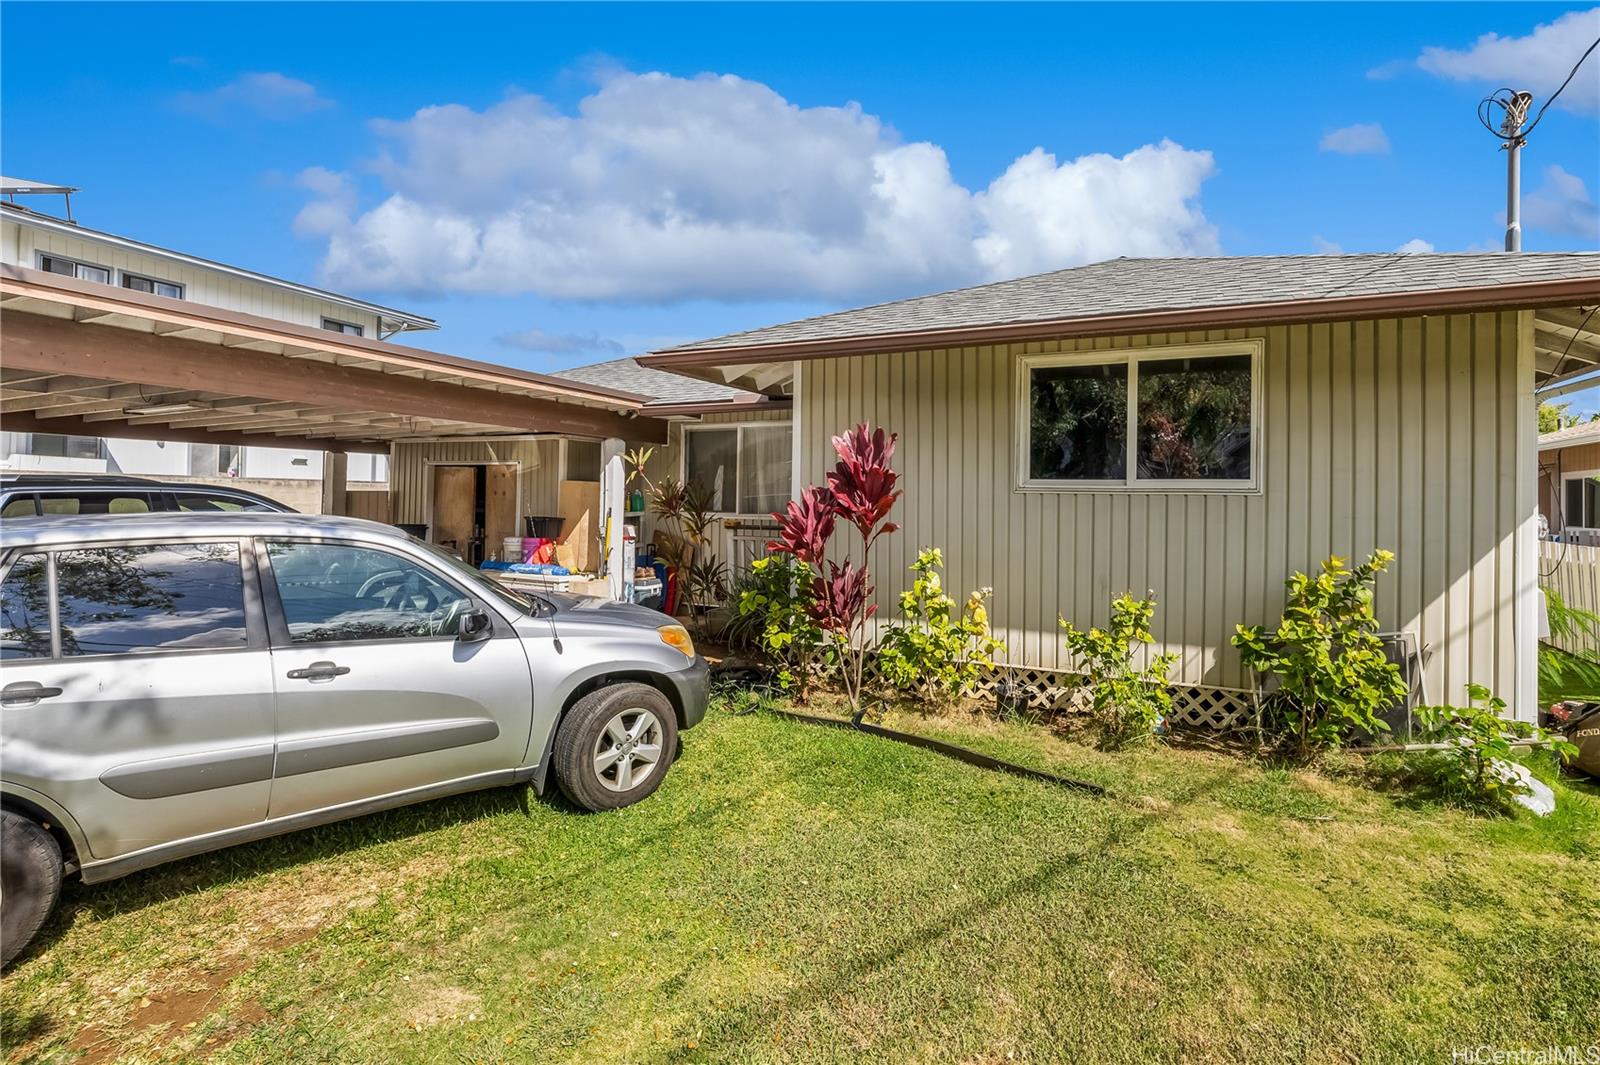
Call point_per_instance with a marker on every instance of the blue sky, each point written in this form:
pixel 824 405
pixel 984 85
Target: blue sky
pixel 558 185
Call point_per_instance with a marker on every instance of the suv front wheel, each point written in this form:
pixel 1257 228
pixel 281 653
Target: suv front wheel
pixel 30 881
pixel 615 745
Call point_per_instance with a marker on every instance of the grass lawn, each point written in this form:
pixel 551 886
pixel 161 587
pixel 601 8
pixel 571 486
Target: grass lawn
pixel 804 894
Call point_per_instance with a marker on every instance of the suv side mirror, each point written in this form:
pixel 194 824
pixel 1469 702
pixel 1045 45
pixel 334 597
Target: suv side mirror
pixel 474 626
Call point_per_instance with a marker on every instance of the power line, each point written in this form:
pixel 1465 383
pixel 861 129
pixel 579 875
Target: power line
pixel 1570 75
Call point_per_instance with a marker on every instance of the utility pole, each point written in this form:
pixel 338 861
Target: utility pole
pixel 1516 108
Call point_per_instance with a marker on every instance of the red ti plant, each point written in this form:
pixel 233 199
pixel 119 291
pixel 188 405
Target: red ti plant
pixel 862 484
pixel 861 491
pixel 805 526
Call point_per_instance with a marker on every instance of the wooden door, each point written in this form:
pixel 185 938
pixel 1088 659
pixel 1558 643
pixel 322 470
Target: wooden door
pixel 453 505
pixel 499 508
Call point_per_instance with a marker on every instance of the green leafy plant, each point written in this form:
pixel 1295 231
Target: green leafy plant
pixel 1129 702
pixel 1333 675
pixel 774 605
pixel 1564 673
pixel 683 536
pixel 938 650
pixel 1474 766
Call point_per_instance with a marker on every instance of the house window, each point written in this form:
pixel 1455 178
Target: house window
pixel 1580 500
pixel 583 460
pixel 66 447
pixel 56 264
pixel 743 469
pixel 337 326
pixel 1161 418
pixel 154 286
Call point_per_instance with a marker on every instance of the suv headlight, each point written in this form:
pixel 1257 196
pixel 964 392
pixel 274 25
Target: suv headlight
pixel 677 636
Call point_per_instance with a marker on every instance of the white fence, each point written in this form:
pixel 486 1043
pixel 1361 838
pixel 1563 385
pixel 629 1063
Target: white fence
pixel 1572 572
pixel 744 540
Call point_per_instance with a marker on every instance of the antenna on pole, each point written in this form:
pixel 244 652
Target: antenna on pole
pixel 1512 131
pixel 1515 105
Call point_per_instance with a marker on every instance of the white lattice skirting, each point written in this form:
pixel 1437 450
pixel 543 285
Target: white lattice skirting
pixel 1045 689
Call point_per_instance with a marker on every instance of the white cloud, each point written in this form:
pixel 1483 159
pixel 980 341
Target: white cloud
pixel 1414 246
pixel 562 343
pixel 1363 138
pixel 663 188
pixel 1562 204
pixel 267 94
pixel 1042 215
pixel 1325 247
pixel 335 198
pixel 1538 62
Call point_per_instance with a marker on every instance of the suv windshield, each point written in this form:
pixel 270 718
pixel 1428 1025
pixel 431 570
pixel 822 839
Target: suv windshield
pixel 516 600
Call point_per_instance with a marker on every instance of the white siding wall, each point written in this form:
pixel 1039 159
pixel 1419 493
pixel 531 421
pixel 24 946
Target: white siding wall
pixel 411 486
pixel 1395 433
pixel 22 244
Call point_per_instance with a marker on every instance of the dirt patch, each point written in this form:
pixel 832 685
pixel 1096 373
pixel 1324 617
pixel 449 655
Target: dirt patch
pixel 438 1003
pixel 164 1016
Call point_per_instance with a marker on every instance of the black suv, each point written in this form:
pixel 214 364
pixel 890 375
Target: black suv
pixel 24 495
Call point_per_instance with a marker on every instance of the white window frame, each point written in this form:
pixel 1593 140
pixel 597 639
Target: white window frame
pixel 123 275
pixel 1561 503
pixel 738 489
pixel 1132 357
pixel 41 255
pixel 339 325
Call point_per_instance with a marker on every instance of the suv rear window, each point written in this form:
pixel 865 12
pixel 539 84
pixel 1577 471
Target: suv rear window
pixel 19 507
pixel 25 609
pixel 116 600
pixel 94 502
pixel 206 501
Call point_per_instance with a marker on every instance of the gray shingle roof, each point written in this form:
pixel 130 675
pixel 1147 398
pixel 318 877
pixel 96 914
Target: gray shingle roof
pixel 662 387
pixel 1134 286
pixel 1571 434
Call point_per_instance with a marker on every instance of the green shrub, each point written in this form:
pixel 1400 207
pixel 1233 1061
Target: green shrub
pixel 1479 736
pixel 1562 673
pixel 937 652
pixel 774 605
pixel 1332 671
pixel 1128 702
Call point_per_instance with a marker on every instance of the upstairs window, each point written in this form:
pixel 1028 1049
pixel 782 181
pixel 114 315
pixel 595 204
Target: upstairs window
pixel 154 286
pixel 348 328
pixel 1176 419
pixel 57 264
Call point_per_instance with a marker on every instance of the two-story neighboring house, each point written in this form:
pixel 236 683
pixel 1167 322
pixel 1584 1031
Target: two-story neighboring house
pixel 35 238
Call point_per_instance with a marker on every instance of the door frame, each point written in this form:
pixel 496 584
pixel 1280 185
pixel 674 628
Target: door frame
pixel 427 484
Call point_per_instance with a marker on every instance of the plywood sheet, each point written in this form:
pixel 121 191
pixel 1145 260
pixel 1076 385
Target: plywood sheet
pixel 453 498
pixel 580 517
pixel 500 504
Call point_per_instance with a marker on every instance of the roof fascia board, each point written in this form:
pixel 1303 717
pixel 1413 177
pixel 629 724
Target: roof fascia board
pixel 38 221
pixel 739 406
pixel 1521 295
pixel 67 291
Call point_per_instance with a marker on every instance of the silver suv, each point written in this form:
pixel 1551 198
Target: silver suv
pixel 178 683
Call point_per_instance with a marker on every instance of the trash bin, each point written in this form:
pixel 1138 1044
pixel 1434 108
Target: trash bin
pixel 543 526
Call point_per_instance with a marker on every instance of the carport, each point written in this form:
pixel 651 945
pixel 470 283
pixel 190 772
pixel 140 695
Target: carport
pixel 79 358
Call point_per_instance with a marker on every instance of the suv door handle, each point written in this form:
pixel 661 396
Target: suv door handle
pixel 26 693
pixel 319 671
